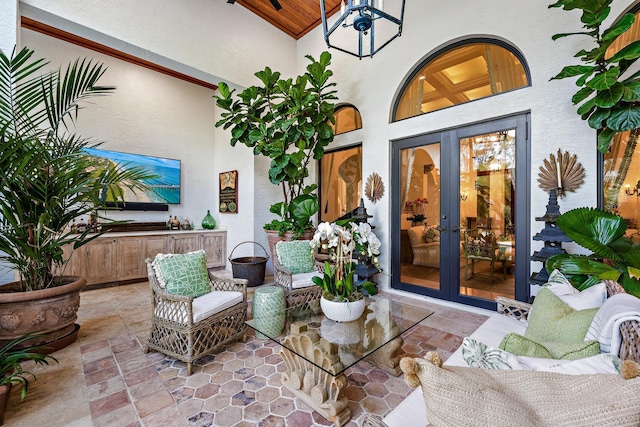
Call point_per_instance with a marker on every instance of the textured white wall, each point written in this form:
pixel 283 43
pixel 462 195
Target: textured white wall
pixel 221 39
pixel 8 25
pixel 152 114
pixel 371 84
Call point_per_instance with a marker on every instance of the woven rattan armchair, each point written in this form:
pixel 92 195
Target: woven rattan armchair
pixel 173 330
pixel 298 288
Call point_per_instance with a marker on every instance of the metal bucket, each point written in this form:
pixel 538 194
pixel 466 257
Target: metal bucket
pixel 250 267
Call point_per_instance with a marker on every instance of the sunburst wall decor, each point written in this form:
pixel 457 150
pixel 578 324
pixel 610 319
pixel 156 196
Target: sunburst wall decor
pixel 374 188
pixel 562 173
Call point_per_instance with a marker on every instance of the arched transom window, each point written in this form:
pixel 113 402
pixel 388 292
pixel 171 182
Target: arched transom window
pixel 461 73
pixel 347 119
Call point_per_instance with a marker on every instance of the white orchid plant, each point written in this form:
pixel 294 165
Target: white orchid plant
pixel 345 240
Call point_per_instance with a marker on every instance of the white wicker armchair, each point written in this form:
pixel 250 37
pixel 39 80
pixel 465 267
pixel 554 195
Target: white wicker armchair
pixel 188 328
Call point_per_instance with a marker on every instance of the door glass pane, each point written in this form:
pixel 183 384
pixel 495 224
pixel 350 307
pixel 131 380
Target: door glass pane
pixel 420 207
pixel 487 182
pixel 621 181
pixel 341 183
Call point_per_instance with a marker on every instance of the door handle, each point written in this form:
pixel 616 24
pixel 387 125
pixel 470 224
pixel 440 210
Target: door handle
pixel 442 229
pixel 455 229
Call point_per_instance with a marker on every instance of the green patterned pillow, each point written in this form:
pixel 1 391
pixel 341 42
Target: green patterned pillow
pixel 522 346
pixel 183 274
pixel 552 320
pixel 296 256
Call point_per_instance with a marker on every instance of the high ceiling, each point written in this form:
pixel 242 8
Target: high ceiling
pixel 296 18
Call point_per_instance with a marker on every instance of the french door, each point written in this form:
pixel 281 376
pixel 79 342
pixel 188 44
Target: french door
pixel 460 212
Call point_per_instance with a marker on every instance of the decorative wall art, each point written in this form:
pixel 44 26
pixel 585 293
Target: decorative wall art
pixel 562 173
pixel 229 192
pixel 374 188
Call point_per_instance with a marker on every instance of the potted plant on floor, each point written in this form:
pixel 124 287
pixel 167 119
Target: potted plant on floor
pixel 47 181
pixel 342 298
pixel 287 121
pixel 12 354
pixel 613 257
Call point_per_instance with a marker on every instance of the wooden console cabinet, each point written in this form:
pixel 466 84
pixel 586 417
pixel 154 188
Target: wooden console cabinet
pixel 119 257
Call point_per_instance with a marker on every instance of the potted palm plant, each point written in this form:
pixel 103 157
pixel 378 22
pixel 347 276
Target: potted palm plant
pixel 47 180
pixel 287 121
pixel 12 354
pixel 342 298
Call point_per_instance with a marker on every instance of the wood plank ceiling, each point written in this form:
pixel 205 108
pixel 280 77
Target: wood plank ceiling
pixel 296 18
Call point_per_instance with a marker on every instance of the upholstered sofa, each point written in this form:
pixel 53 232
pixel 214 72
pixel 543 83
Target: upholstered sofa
pixel 510 318
pixel 425 253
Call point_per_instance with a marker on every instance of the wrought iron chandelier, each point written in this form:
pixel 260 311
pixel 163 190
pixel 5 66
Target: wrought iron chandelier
pixel 362 16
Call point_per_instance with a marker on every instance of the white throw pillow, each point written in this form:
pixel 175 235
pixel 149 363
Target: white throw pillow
pixel 592 297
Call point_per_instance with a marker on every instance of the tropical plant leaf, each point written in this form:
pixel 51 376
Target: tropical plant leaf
pixel 593 229
pixel 607 98
pixel 624 118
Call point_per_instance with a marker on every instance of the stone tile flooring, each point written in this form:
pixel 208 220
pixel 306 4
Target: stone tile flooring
pixel 105 378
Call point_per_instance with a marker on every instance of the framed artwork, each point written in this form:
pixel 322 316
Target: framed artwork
pixel 229 192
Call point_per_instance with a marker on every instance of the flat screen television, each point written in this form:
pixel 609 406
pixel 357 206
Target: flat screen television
pixel 162 191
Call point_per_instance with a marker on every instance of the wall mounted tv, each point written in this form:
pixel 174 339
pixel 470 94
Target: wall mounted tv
pixel 163 190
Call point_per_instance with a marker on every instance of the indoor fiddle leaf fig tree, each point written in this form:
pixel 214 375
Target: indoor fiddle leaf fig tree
pixel 609 88
pixel 47 179
pixel 288 121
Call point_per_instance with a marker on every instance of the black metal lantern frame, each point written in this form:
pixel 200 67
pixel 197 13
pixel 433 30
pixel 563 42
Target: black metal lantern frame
pixel 361 15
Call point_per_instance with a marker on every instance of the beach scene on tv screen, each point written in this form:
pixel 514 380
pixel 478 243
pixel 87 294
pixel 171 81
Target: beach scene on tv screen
pixel 165 188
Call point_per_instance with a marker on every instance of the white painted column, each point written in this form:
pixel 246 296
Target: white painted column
pixel 9 25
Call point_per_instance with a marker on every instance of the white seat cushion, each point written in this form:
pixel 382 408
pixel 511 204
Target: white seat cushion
pixel 490 333
pixel 214 302
pixel 302 280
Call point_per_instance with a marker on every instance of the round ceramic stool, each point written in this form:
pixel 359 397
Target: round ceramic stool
pixel 268 309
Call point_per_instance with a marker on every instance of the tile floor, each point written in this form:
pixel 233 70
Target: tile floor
pixel 105 378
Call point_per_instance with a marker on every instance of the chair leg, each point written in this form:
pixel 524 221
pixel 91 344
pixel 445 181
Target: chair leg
pixel 189 368
pixel 491 264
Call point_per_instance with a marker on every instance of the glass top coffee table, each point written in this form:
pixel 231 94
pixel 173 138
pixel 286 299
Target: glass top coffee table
pixel 317 351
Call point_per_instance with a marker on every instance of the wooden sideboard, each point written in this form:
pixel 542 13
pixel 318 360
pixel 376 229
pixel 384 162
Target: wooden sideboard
pixel 119 257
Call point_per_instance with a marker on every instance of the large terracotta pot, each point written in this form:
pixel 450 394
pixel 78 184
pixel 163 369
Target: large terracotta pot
pixel 51 311
pixel 5 391
pixel 273 238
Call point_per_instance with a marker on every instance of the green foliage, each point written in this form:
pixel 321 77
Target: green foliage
pixel 608 99
pixel 47 178
pixel 11 356
pixel 288 122
pixel 343 288
pixel 613 256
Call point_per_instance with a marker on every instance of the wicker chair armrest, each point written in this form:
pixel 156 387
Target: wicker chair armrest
pixel 225 284
pixel 176 308
pixel 630 345
pixel 318 265
pixel 372 421
pixel 283 277
pixel 513 308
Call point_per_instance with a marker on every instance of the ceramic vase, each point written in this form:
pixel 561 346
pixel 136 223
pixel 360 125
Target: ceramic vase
pixel 268 311
pixel 342 311
pixel 208 222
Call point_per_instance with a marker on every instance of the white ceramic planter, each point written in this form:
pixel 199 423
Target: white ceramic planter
pixel 342 311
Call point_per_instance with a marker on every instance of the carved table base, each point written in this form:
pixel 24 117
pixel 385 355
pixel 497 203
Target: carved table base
pixel 317 388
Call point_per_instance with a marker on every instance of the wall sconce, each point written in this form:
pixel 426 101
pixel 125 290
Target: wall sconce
pixel 464 196
pixel 636 189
